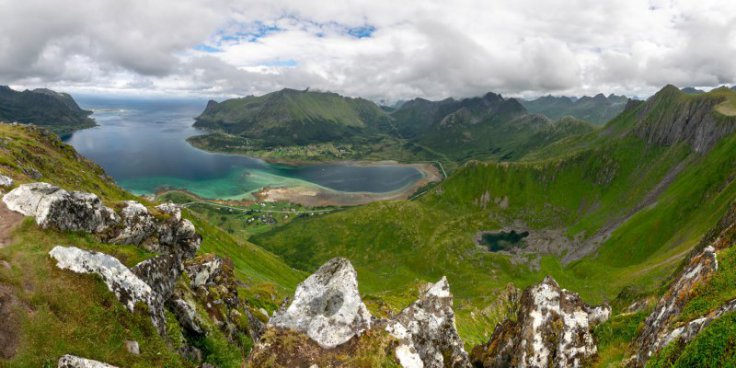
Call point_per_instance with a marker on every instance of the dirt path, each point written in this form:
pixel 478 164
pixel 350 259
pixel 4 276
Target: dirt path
pixel 8 221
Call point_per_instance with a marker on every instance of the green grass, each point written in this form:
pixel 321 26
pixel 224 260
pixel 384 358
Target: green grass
pixel 715 346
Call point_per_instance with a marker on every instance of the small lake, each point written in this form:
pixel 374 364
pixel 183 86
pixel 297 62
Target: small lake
pixel 141 143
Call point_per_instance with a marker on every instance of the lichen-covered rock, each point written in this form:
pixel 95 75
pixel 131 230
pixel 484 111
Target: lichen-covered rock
pixel 138 224
pixel 656 334
pixel 326 306
pixel 215 287
pixel 160 273
pixel 426 332
pixel 127 287
pixel 553 328
pixel 56 208
pixel 176 235
pixel 6 181
pixel 201 273
pixel 71 361
pixel 186 314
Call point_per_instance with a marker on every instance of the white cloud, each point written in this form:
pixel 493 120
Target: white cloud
pixel 427 48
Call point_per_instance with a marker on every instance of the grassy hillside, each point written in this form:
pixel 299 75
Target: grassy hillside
pixel 56 312
pixel 56 111
pixel 614 212
pixel 289 117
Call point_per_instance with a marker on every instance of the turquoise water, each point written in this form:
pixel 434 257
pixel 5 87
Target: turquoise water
pixel 141 143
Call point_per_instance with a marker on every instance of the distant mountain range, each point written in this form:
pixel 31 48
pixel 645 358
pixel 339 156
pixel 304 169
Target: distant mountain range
pixel 56 111
pixel 450 130
pixel 597 110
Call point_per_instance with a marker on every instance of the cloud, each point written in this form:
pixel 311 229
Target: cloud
pixel 376 49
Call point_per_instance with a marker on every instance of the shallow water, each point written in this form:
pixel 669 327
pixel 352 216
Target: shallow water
pixel 141 143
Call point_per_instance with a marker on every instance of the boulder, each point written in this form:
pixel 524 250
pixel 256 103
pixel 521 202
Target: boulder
pixel 127 287
pixel 176 235
pixel 6 181
pixel 326 306
pixel 71 361
pixel 132 347
pixel 201 273
pixel 138 224
pixel 426 332
pixel 553 328
pixel 160 273
pixel 56 208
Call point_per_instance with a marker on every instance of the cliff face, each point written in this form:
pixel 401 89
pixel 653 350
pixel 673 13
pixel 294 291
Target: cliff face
pixel 553 328
pixel 671 117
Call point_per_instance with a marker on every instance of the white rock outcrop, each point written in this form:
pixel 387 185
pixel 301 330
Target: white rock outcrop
pixel 127 287
pixel 326 306
pixel 138 224
pixel 71 361
pixel 202 273
pixel 553 328
pixel 56 208
pixel 6 181
pixel 426 332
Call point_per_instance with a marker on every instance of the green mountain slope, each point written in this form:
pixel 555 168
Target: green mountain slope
pixel 488 127
pixel 289 117
pixel 616 210
pixel 598 109
pixel 51 312
pixel 56 111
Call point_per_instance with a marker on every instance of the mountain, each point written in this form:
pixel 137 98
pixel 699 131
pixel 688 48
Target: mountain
pixel 303 125
pixel 291 117
pixel 479 128
pixel 598 109
pixel 605 213
pixel 44 107
pixel 692 90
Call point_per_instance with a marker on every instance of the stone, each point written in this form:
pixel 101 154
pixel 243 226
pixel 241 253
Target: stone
pixel 202 273
pixel 133 347
pixel 186 314
pixel 553 328
pixel 138 224
pixel 6 181
pixel 326 306
pixel 160 273
pixel 426 332
pixel 127 287
pixel 656 333
pixel 58 209
pixel 71 361
pixel 176 235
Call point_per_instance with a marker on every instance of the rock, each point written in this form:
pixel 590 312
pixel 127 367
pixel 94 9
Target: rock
pixel 138 224
pixel 553 328
pixel 176 235
pixel 132 347
pixel 186 315
pixel 71 361
pixel 6 181
pixel 656 334
pixel 127 287
pixel 327 306
pixel 161 274
pixel 202 273
pixel 56 208
pixel 426 332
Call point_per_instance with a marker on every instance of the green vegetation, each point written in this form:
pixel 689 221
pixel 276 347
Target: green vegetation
pixel 55 312
pixel 56 111
pixel 597 110
pixel 648 204
pixel 715 346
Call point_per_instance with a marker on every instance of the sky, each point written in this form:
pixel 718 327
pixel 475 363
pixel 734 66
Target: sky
pixel 384 50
